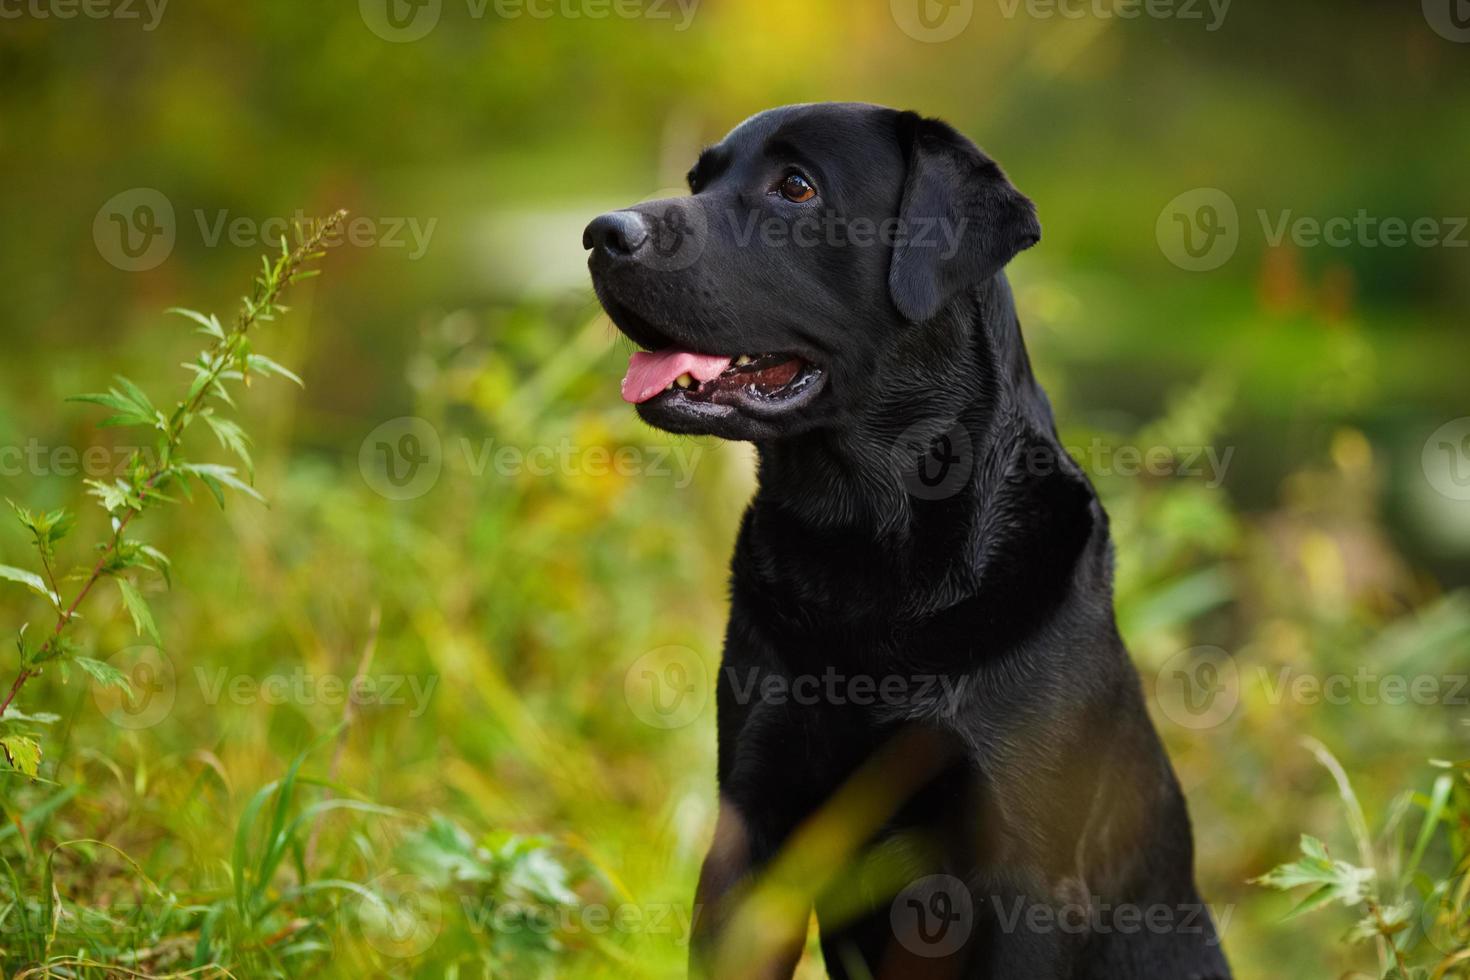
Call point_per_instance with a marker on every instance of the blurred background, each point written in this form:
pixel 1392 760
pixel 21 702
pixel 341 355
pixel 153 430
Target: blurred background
pixel 463 516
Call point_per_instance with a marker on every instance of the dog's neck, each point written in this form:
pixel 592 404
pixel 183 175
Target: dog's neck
pixel 973 385
pixel 850 498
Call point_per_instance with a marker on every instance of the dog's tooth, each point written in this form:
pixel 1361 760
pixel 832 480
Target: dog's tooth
pixel 743 360
pixel 685 380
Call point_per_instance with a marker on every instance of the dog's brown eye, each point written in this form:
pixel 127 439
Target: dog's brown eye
pixel 797 189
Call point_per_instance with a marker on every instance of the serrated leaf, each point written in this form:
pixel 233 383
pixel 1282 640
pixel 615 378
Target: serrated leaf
pixel 46 528
pixel 135 394
pixel 31 581
pixel 1389 921
pixel 219 391
pixel 215 476
pixel 208 324
pixel 263 365
pixel 201 378
pixel 161 562
pixel 1335 881
pixel 126 422
pixel 233 438
pixel 39 718
pixel 108 399
pixel 127 411
pixel 104 673
pixel 1316 900
pixel 22 753
pixel 138 609
pixel 114 496
pixel 26 517
pixel 215 489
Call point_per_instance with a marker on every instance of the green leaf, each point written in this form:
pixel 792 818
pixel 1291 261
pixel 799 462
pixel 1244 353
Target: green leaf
pixel 31 581
pixel 26 517
pixel 47 528
pixel 203 375
pixel 135 394
pixel 161 562
pixel 266 367
pixel 55 525
pixel 104 673
pixel 214 476
pixel 1336 881
pixel 22 753
pixel 207 324
pixel 215 489
pixel 109 399
pixel 219 391
pixel 131 406
pixel 138 609
pixel 232 437
pixel 1434 809
pixel 39 718
pixel 1388 921
pixel 114 496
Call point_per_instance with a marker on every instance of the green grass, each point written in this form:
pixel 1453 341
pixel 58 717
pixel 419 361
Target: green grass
pixel 500 803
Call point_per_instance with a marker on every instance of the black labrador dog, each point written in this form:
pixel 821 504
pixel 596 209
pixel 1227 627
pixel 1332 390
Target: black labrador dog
pixel 930 731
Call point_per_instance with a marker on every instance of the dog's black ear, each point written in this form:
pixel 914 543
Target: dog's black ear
pixel 961 220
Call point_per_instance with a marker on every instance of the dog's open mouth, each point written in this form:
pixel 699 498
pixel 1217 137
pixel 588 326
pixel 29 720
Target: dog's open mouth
pixel 760 383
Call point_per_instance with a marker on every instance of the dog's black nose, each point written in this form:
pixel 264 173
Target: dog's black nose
pixel 619 233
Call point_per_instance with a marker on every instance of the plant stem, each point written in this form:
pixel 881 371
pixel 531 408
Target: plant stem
pixel 19 680
pixel 262 302
pixel 1385 937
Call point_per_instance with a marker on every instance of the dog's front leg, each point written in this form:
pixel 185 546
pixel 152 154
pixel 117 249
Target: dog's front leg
pixel 724 914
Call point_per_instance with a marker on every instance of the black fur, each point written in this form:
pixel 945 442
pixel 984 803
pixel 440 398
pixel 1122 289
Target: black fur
pixel 1035 779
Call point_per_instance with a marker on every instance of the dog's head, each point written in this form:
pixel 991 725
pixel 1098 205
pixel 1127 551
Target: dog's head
pixel 786 290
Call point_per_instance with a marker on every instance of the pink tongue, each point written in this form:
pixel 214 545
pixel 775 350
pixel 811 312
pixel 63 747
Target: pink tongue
pixel 651 373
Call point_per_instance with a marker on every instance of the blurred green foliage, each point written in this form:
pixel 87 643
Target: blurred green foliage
pixel 514 770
